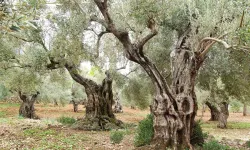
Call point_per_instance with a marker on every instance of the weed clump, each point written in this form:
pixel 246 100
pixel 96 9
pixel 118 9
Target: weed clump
pixel 66 120
pixel 248 143
pixel 215 145
pixel 197 137
pixel 144 132
pixel 116 136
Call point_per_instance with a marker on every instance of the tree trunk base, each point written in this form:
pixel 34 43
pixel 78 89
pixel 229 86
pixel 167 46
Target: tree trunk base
pixel 98 124
pixel 27 110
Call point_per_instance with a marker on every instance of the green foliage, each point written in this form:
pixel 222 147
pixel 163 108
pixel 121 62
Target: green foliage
pixel 144 132
pixel 215 145
pixel 22 80
pixel 61 87
pixel 8 105
pixel 230 125
pixel 141 10
pixel 138 92
pixel 235 106
pixel 37 132
pixel 3 92
pixel 116 136
pixel 197 138
pixel 2 114
pixel 248 144
pixel 66 120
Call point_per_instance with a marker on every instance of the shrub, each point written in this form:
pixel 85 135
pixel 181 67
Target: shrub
pixel 215 145
pixel 248 144
pixel 66 120
pixel 116 136
pixel 198 136
pixel 144 132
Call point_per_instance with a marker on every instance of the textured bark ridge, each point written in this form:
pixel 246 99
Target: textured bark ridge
pixel 27 109
pixel 184 71
pixel 99 114
pixel 117 105
pixel 223 115
pixel 214 112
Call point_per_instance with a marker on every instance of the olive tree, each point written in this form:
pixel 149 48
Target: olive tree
pixel 196 30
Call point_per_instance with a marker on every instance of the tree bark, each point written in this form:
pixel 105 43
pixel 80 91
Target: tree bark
pixel 99 114
pixel 214 112
pixel 27 109
pixel 117 105
pixel 223 115
pixel 75 105
pixel 244 110
pixel 55 102
pixel 184 71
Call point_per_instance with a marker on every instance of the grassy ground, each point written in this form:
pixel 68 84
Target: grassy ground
pixel 47 133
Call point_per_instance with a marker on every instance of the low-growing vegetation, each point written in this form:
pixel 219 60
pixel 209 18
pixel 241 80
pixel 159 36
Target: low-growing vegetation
pixel 66 120
pixel 116 136
pixel 144 132
pixel 215 145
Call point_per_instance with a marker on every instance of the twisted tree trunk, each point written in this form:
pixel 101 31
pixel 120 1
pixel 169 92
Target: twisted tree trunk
pixel 27 109
pixel 99 114
pixel 214 112
pixel 223 115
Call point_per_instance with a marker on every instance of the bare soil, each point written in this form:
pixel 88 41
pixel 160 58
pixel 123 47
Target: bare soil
pixel 47 133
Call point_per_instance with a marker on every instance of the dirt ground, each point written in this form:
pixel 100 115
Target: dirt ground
pixel 47 133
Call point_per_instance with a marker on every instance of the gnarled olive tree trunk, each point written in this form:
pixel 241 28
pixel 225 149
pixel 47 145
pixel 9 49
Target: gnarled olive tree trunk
pixel 99 114
pixel 223 115
pixel 184 70
pixel 214 112
pixel 27 109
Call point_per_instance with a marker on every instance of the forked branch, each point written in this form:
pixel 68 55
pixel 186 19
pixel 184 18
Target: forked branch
pixel 213 41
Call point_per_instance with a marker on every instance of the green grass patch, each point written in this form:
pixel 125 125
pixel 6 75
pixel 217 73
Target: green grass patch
pixel 116 136
pixel 230 125
pixel 62 141
pixel 36 132
pixel 2 114
pixel 238 125
pixel 8 105
pixel 66 120
pixel 215 145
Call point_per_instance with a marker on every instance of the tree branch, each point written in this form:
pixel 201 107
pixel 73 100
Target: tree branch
pixel 98 42
pixel 21 38
pixel 213 41
pixel 147 38
pixel 123 67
